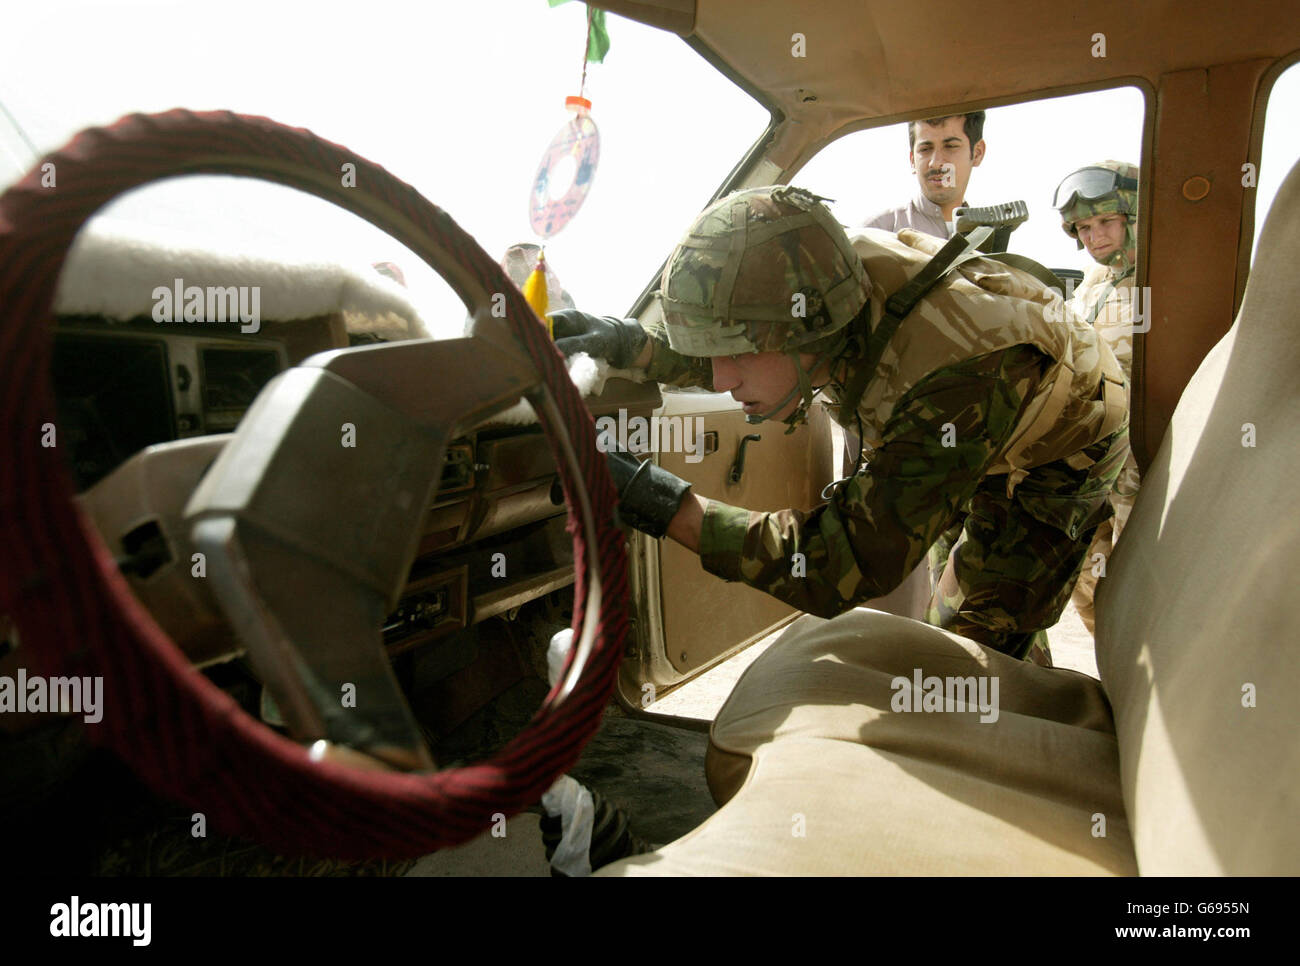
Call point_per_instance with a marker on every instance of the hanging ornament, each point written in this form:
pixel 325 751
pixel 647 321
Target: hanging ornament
pixel 535 292
pixel 566 172
pixel 567 169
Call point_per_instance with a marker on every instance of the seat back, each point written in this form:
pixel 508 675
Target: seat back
pixel 1198 631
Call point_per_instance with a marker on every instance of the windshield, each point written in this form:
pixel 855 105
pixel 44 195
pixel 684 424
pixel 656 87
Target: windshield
pixel 458 100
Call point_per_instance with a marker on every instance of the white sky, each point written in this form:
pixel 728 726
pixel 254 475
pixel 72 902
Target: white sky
pixel 461 99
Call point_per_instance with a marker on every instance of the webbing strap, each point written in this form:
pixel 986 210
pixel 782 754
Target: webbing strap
pixel 1114 399
pixel 720 310
pixel 1101 299
pixel 1116 393
pixel 1116 409
pixel 731 269
pixel 959 248
pixel 1036 269
pixel 756 234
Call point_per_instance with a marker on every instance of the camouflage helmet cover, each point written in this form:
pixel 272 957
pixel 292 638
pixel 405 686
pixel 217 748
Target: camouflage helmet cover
pixel 1122 201
pixel 764 269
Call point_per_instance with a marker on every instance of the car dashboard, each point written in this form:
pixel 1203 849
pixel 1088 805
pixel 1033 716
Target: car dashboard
pixel 142 414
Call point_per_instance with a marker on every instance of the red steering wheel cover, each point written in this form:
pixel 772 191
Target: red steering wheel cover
pixel 77 615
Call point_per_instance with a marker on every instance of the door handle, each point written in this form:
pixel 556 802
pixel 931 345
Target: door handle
pixel 738 466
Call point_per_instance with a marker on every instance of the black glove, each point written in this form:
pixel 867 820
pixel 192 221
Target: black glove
pixel 617 341
pixel 648 497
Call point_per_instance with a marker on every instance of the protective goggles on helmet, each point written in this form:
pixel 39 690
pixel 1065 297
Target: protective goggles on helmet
pixel 1090 184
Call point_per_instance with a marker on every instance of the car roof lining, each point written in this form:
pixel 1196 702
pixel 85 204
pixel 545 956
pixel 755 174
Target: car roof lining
pixel 852 68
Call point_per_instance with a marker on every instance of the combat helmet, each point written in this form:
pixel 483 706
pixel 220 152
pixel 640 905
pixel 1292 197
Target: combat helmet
pixel 1107 187
pixel 764 270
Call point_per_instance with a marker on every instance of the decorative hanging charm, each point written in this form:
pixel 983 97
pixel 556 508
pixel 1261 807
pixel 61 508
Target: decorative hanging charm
pixel 568 168
pixel 535 292
pixel 566 172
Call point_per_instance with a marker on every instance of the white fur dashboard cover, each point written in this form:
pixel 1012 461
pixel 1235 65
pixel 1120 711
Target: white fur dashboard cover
pixel 114 266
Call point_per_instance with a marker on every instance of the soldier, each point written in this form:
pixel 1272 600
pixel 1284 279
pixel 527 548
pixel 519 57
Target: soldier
pixel 977 403
pixel 943 151
pixel 1098 206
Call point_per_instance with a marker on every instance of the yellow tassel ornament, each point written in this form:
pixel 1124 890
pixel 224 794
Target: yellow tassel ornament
pixel 535 292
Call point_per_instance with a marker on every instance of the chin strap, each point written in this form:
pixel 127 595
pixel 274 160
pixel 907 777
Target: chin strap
pixel 804 387
pixel 1121 261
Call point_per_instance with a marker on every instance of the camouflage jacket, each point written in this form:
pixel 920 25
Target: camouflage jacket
pixel 936 436
pixel 1105 298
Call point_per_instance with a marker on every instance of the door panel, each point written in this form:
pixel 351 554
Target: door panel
pixel 688 619
pixel 704 616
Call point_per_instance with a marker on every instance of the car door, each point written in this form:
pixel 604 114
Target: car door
pixel 687 619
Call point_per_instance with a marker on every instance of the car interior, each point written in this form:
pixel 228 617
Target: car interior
pixel 236 520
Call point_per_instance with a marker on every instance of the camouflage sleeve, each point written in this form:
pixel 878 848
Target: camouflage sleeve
pixel 941 438
pixel 671 368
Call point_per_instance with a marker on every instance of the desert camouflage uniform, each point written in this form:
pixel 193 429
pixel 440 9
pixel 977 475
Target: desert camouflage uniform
pixel 1105 298
pixel 972 365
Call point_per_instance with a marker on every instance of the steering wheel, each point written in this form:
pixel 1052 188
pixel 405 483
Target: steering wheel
pixel 77 616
